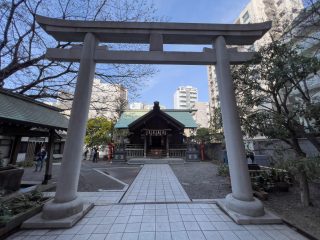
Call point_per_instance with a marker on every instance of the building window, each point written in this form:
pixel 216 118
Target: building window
pixel 245 17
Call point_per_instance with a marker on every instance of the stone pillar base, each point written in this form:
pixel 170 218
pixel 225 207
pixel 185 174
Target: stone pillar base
pixel 37 222
pixel 249 208
pixel 247 212
pixel 53 210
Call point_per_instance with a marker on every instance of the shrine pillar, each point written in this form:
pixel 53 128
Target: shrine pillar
pixel 241 199
pixel 145 146
pixel 66 202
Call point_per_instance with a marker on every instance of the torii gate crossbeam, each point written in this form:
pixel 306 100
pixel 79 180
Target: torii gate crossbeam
pixel 240 205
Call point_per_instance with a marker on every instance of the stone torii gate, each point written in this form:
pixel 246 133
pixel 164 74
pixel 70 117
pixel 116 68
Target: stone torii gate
pixel 240 204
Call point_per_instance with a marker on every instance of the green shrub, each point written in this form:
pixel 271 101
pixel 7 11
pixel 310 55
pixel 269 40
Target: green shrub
pixel 223 170
pixel 19 204
pixel 309 165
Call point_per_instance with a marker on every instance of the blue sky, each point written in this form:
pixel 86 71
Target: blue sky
pixel 163 84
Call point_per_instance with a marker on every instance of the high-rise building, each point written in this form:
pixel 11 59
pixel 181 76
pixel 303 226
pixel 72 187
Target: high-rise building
pixel 213 89
pixel 136 106
pixel 280 12
pixel 142 106
pixel 304 36
pixel 201 115
pixel 107 100
pixel 185 97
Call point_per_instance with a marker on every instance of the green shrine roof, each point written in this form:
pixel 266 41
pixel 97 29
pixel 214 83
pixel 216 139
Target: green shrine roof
pixel 183 116
pixel 21 109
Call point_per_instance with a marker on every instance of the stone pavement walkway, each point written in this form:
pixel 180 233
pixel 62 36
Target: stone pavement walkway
pixel 159 221
pixel 192 221
pixel 98 198
pixel 155 183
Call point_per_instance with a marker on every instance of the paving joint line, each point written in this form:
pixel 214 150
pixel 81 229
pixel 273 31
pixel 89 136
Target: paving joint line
pixel 126 186
pixel 155 203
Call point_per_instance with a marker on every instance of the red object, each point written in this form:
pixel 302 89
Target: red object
pixel 110 152
pixel 202 151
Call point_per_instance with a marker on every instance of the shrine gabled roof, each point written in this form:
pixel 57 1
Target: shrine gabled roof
pixel 182 116
pixel 16 108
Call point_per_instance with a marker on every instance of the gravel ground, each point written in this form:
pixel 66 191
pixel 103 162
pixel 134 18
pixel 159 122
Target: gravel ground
pixel 201 181
pixel 287 205
pixel 90 180
pixel 30 175
pixel 124 173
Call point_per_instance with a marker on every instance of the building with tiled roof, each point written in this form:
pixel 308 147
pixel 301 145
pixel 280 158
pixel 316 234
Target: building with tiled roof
pixel 156 132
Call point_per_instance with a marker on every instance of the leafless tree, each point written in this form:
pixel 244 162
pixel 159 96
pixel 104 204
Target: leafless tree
pixel 23 43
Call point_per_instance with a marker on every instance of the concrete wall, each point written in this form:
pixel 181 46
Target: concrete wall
pixel 266 151
pixel 276 149
pixel 213 151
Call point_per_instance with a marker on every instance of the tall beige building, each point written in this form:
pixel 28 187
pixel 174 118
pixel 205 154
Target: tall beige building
pixel 280 12
pixel 107 100
pixel 201 115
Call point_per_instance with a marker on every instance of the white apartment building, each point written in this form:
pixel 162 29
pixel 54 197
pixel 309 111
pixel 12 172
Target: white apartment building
pixel 136 106
pixel 304 35
pixel 202 114
pixel 280 12
pixel 213 89
pixel 143 106
pixel 185 97
pixel 107 100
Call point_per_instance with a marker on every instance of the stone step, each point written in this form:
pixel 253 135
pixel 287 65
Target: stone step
pixel 156 161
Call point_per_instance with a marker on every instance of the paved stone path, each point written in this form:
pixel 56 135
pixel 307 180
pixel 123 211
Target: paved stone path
pixel 98 198
pixel 155 183
pixel 159 221
pixel 192 221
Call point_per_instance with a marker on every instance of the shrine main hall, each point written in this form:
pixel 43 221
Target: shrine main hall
pixel 156 132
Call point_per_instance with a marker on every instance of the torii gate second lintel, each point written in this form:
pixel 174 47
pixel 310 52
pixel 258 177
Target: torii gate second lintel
pixel 240 204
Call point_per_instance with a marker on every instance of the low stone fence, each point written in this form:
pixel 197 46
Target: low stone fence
pixel 134 152
pixel 177 153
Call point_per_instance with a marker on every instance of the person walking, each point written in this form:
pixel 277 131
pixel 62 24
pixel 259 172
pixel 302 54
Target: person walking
pixel 85 154
pixel 251 156
pixel 95 154
pixel 225 155
pixel 40 158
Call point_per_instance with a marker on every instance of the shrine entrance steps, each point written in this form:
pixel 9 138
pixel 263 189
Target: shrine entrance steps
pixel 156 161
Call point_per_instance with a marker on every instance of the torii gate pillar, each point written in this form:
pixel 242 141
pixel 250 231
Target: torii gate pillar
pixel 66 203
pixel 241 199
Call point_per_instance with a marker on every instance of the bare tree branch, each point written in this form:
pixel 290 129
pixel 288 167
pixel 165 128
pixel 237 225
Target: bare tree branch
pixel 23 43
